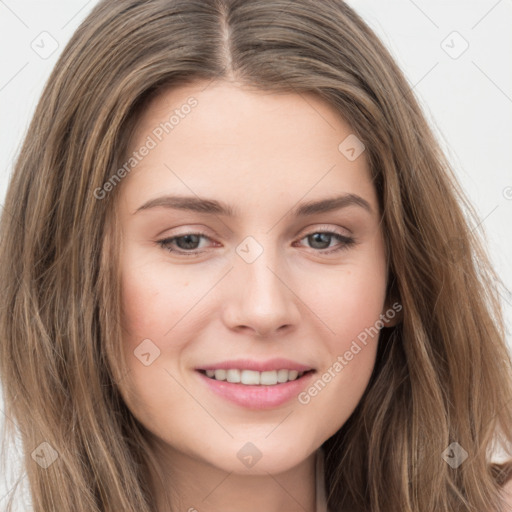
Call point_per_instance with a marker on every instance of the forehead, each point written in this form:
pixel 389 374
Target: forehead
pixel 227 113
pixel 223 138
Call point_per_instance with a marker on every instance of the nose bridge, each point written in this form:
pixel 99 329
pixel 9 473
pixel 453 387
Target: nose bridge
pixel 259 298
pixel 257 271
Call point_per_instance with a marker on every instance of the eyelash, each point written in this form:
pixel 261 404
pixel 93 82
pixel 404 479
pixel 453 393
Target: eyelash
pixel 346 243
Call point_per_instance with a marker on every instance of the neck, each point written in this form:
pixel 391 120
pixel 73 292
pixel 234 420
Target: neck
pixel 191 484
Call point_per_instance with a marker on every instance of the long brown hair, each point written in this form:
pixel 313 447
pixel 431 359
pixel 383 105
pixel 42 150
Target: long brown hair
pixel 442 376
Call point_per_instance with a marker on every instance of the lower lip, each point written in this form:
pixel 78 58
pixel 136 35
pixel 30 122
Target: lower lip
pixel 258 397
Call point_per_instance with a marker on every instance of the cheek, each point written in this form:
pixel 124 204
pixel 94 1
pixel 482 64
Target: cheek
pixel 350 302
pixel 155 298
pixel 353 315
pixel 358 304
pixel 349 299
pixel 349 351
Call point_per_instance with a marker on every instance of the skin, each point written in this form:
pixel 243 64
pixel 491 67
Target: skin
pixel 262 153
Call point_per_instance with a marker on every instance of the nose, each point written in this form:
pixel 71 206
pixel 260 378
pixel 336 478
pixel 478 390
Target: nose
pixel 260 298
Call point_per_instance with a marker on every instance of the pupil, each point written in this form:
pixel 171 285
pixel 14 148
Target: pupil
pixel 317 240
pixel 322 238
pixel 189 240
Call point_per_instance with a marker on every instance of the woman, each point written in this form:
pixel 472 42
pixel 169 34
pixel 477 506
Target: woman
pixel 238 276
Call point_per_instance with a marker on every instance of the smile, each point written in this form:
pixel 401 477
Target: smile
pixel 261 390
pixel 254 378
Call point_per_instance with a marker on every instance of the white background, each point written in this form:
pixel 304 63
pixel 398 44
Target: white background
pixel 467 99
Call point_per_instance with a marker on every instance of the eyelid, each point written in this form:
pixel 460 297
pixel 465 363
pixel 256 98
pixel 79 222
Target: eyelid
pixel 315 228
pixel 308 230
pixel 345 241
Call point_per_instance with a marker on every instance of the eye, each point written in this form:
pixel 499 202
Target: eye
pixel 321 240
pixel 186 243
pixel 189 243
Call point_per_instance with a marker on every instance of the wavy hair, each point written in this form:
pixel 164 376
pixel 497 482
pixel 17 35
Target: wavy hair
pixel 443 375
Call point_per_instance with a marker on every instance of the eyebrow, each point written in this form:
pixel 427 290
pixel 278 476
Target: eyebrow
pixel 212 206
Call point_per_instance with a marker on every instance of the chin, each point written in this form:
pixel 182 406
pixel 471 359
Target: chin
pixel 258 458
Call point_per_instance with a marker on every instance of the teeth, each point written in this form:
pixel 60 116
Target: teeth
pixel 293 374
pixel 252 378
pixel 268 378
pixel 220 374
pixel 282 375
pixel 233 376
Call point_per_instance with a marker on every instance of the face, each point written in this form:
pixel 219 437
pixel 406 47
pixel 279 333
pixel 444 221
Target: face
pixel 250 241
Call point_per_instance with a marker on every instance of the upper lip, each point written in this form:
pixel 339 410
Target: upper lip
pixel 259 366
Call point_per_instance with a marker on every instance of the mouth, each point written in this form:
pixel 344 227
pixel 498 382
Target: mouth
pixel 253 389
pixel 246 377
